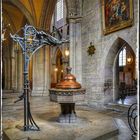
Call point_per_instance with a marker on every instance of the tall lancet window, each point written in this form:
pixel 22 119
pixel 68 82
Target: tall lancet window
pixel 122 57
pixel 59 12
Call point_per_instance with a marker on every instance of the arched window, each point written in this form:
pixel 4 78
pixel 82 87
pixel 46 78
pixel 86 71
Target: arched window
pixel 59 10
pixel 122 57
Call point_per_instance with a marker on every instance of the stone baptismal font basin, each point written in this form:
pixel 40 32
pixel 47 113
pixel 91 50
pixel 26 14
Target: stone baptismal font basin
pixel 67 93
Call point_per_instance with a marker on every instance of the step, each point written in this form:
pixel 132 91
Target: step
pixel 7 91
pixel 89 126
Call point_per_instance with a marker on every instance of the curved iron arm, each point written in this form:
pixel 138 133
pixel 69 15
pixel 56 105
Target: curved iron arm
pixel 132 118
pixel 30 42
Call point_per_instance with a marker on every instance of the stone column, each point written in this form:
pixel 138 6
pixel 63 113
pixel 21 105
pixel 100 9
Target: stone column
pixel 53 74
pixel 7 70
pixel 6 73
pixel 76 47
pixel 116 80
pixel 46 69
pixel 65 64
pixel 19 71
pixel 41 71
pixel 13 70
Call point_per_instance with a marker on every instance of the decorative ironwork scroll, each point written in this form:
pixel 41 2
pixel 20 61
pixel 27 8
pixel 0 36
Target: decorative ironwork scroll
pixel 31 41
pixel 132 118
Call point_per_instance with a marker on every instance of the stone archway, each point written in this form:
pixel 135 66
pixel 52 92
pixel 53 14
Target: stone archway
pixel 111 74
pixel 56 67
pixel 13 11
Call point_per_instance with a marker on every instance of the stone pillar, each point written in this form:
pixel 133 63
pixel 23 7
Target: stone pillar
pixel 13 70
pixel 116 80
pixel 54 74
pixel 46 69
pixel 19 71
pixel 8 74
pixel 7 70
pixel 76 47
pixel 65 64
pixel 41 71
pixel 5 73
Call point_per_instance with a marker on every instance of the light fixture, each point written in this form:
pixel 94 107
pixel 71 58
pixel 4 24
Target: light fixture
pixel 129 58
pixel 56 69
pixel 67 52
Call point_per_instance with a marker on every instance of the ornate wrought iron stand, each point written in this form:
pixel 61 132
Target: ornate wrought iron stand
pixel 31 41
pixel 132 118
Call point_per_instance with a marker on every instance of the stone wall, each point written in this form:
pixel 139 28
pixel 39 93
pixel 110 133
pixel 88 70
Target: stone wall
pixel 93 67
pixel 41 71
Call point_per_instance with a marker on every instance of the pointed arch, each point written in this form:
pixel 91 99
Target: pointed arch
pixel 113 53
pixel 111 62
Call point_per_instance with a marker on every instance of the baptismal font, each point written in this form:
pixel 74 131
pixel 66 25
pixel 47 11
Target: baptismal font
pixel 67 93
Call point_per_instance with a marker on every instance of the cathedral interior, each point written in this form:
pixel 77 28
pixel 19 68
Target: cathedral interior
pixel 99 44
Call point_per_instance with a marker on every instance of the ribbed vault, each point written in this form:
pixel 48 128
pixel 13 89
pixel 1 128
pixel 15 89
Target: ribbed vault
pixel 37 12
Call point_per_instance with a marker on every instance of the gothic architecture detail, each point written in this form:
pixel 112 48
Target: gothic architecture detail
pixel 108 68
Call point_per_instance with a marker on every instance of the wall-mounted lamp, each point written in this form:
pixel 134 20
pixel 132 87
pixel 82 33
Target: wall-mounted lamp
pixel 91 49
pixel 66 58
pixel 56 69
pixel 67 52
pixel 129 59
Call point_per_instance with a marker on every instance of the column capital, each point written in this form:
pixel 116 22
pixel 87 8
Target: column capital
pixel 75 19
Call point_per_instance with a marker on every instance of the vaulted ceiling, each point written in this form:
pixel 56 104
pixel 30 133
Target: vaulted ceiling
pixel 35 12
pixel 19 12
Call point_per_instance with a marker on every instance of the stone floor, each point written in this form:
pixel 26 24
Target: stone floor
pixel 128 100
pixel 91 123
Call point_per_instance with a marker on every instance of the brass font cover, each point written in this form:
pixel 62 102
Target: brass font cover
pixel 69 81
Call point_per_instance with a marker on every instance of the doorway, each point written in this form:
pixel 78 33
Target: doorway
pixel 126 72
pixel 120 70
pixel 57 71
pixel 59 66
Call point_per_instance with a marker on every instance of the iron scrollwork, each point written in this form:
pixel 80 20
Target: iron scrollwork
pixel 31 41
pixel 132 118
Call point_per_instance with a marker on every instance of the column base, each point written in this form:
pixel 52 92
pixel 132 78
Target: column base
pixel 39 93
pixel 7 91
